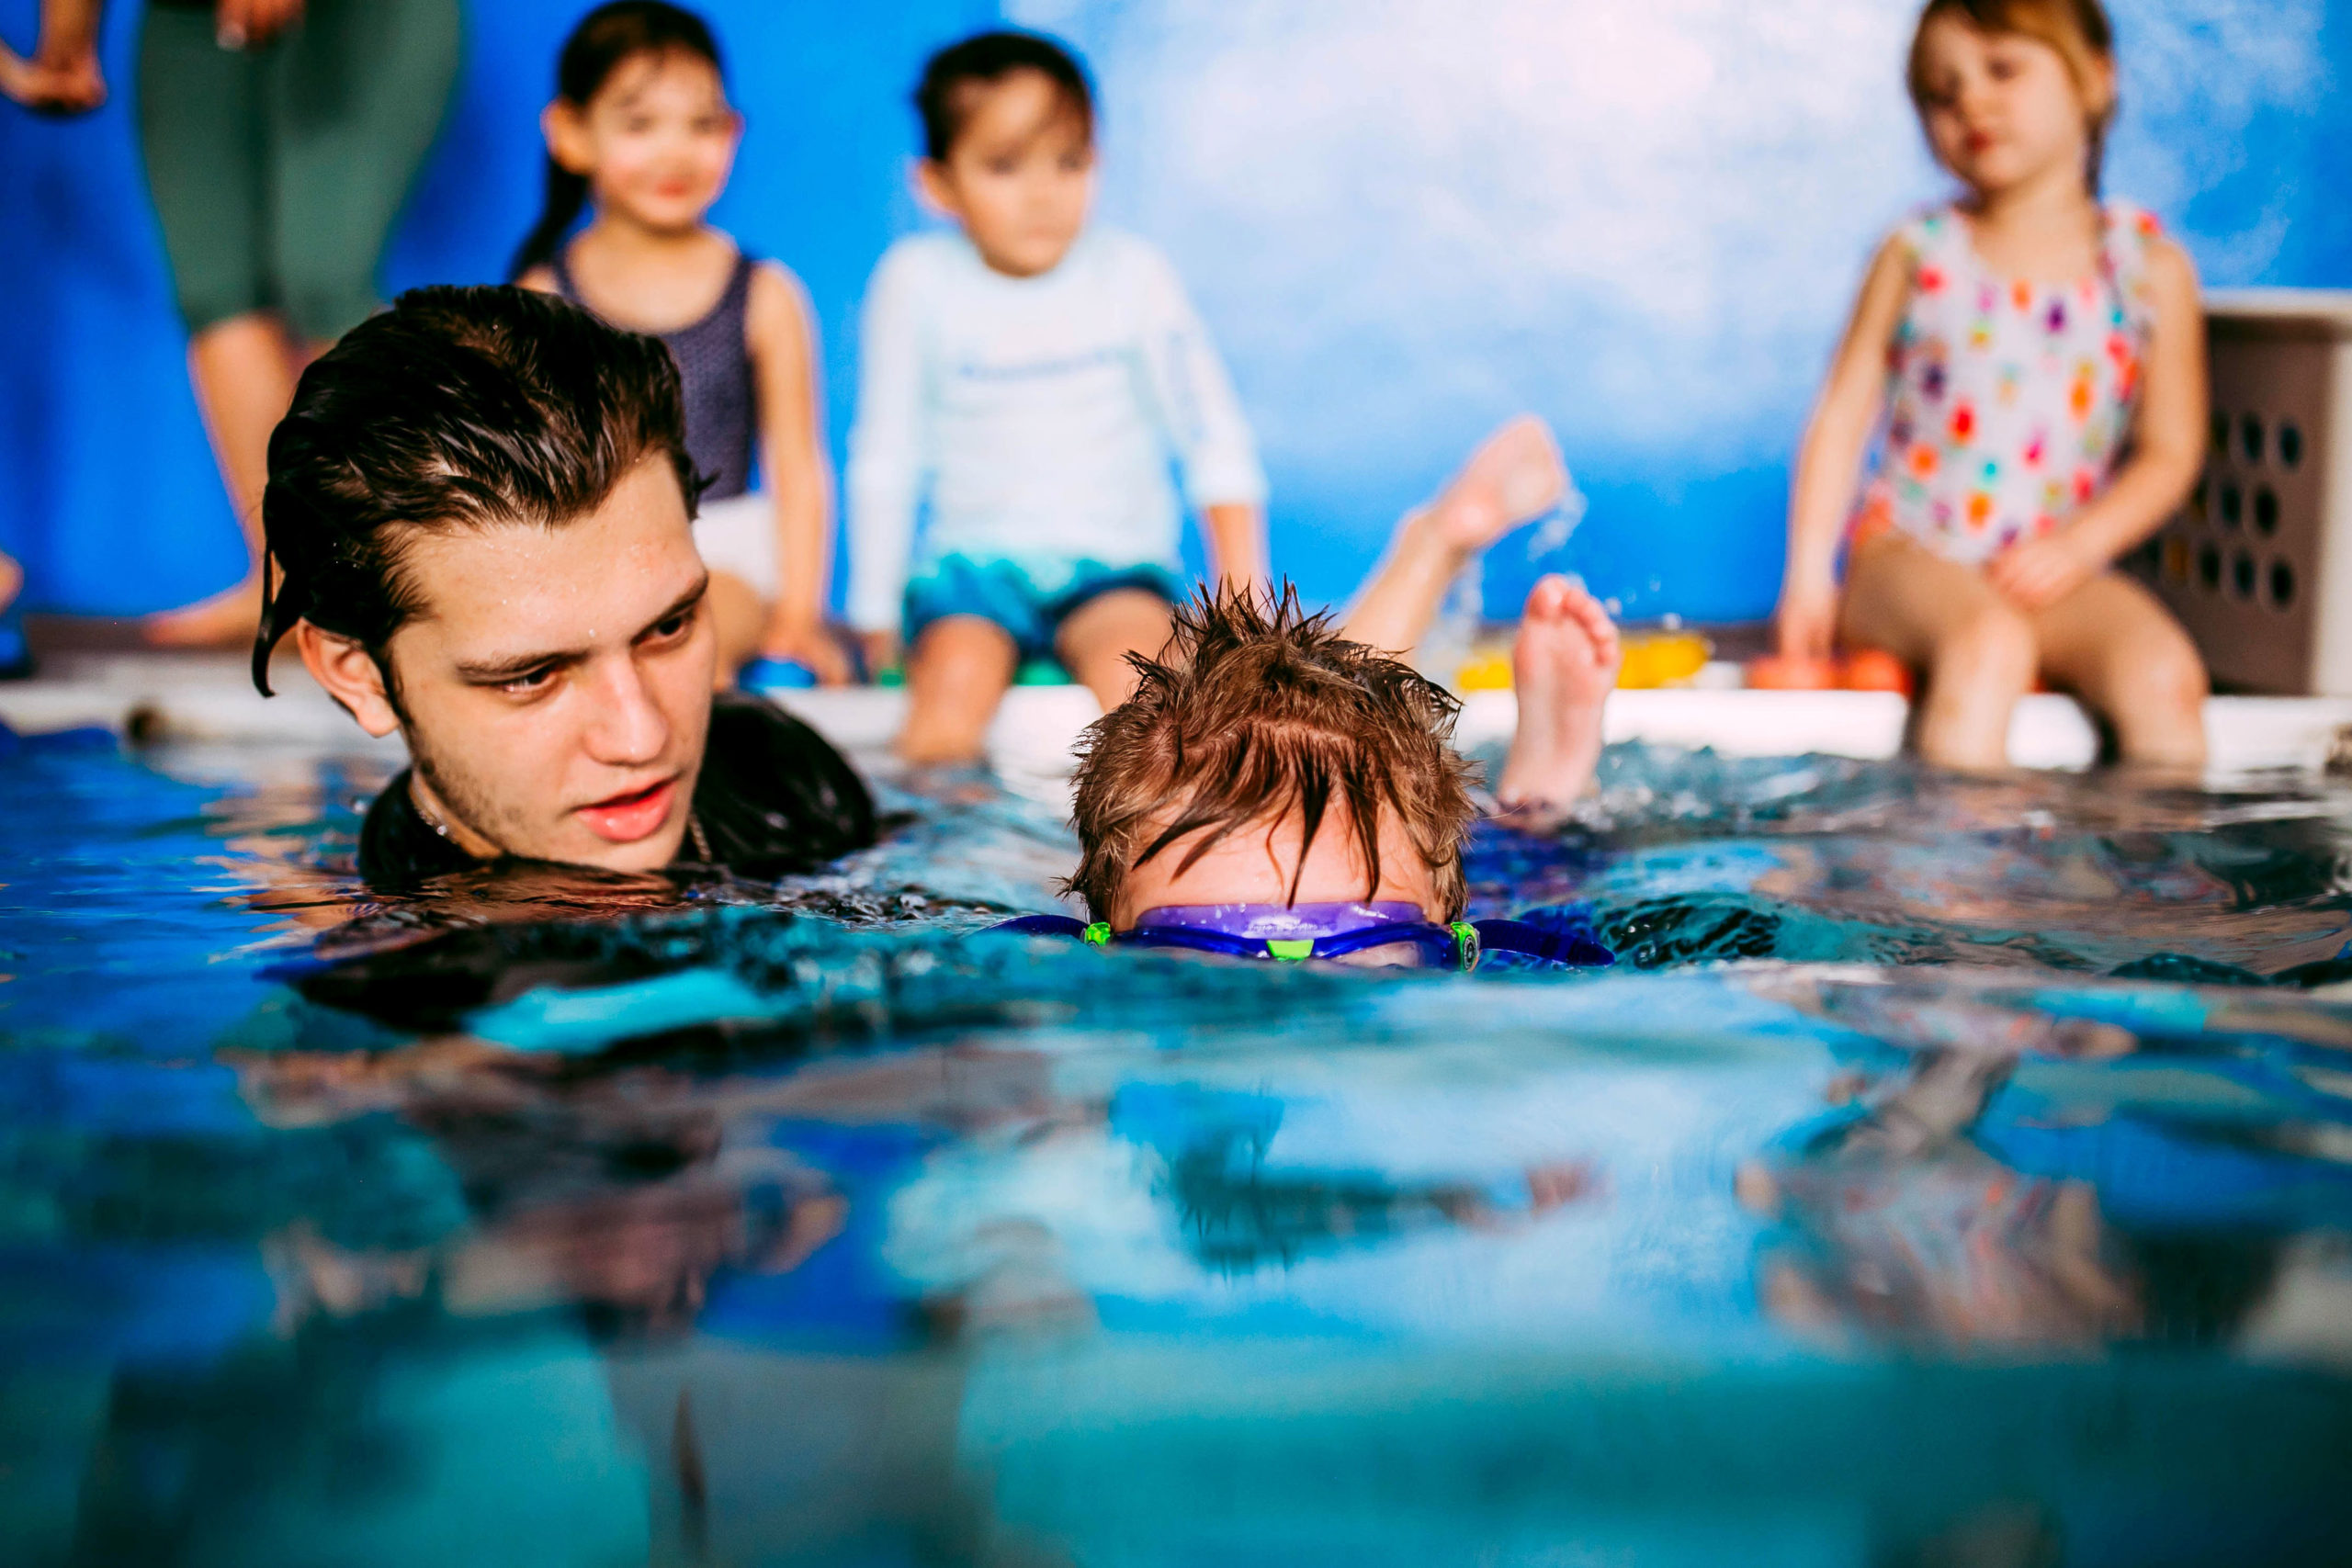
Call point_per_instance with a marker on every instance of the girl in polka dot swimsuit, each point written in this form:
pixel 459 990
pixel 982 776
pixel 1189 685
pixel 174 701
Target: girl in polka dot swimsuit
pixel 2032 363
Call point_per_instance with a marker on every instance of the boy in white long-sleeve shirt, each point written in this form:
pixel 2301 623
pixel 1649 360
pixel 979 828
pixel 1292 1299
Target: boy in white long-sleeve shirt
pixel 1030 382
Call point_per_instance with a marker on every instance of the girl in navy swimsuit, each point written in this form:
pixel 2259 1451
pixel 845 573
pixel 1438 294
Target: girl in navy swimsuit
pixel 640 130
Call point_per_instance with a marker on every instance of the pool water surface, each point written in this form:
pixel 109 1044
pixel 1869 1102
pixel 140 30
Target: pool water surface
pixel 1948 1172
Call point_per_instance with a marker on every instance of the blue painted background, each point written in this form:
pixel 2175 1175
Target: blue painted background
pixel 1640 218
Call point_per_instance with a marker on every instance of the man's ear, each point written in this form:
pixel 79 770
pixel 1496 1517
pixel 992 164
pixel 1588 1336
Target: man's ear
pixel 567 134
pixel 351 676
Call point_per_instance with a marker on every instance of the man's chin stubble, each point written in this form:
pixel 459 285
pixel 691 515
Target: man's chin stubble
pixel 461 804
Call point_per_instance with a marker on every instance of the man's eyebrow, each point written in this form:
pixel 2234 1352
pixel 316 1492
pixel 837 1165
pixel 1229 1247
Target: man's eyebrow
pixel 498 671
pixel 679 606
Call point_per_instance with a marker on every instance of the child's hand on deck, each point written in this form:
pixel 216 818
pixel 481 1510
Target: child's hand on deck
pixel 1806 620
pixel 881 650
pixel 810 646
pixel 2039 573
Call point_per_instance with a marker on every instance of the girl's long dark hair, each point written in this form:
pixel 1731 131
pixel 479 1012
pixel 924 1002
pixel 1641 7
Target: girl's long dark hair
pixel 605 38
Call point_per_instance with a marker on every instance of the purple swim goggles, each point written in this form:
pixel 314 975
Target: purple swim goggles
pixel 1369 935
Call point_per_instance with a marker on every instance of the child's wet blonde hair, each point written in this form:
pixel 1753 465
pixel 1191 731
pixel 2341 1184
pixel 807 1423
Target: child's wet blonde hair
pixel 1256 710
pixel 2078 29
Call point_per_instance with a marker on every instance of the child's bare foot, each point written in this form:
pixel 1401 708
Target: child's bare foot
pixel 1514 477
pixel 1565 665
pixel 227 619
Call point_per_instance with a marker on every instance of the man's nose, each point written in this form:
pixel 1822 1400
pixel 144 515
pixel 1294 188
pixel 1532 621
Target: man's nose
pixel 627 728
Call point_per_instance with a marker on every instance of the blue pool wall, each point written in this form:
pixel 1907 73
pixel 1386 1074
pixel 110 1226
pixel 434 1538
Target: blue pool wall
pixel 1642 220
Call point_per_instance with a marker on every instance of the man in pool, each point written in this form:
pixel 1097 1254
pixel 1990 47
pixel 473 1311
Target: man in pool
pixel 479 514
pixel 1281 787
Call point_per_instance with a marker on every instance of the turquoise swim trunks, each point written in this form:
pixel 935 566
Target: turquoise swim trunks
pixel 1007 593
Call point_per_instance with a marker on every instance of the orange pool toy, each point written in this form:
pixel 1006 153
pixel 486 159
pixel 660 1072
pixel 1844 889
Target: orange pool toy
pixel 1782 672
pixel 1864 670
pixel 1875 670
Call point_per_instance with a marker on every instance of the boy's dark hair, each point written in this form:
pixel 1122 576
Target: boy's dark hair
pixel 602 41
pixel 951 78
pixel 457 408
pixel 1257 709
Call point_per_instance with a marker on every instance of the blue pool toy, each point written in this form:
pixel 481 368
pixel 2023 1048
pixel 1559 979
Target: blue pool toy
pixel 765 675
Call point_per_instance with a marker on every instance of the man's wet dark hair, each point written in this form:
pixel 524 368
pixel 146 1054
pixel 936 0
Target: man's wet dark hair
pixel 457 408
pixel 951 82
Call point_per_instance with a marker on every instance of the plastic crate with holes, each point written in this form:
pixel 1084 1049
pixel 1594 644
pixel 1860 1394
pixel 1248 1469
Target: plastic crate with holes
pixel 2258 565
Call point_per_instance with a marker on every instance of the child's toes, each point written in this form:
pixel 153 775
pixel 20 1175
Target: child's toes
pixel 1591 617
pixel 1551 599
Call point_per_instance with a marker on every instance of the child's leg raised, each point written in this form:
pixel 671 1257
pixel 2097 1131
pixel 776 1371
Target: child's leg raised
pixel 1097 636
pixel 2112 645
pixel 956 677
pixel 1564 666
pixel 1515 476
pixel 1979 650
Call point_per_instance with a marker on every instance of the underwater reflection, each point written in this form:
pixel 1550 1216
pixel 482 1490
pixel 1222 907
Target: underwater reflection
pixel 2010 1187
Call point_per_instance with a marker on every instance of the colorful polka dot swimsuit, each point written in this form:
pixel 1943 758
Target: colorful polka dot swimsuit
pixel 2009 401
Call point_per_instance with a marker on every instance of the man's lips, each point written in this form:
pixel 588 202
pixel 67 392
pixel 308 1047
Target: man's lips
pixel 626 819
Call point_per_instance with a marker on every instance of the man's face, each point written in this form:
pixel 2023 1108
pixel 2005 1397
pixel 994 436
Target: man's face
pixel 555 690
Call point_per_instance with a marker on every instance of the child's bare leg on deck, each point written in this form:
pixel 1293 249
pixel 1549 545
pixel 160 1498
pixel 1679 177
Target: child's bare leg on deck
pixel 1514 477
pixel 1094 641
pixel 2113 646
pixel 1979 650
pixel 1564 666
pixel 956 676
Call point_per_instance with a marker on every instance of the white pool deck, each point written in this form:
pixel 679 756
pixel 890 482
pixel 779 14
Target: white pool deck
pixel 208 698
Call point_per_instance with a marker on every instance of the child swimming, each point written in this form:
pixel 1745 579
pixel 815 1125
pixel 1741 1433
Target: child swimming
pixel 1026 378
pixel 1274 776
pixel 640 125
pixel 2039 359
